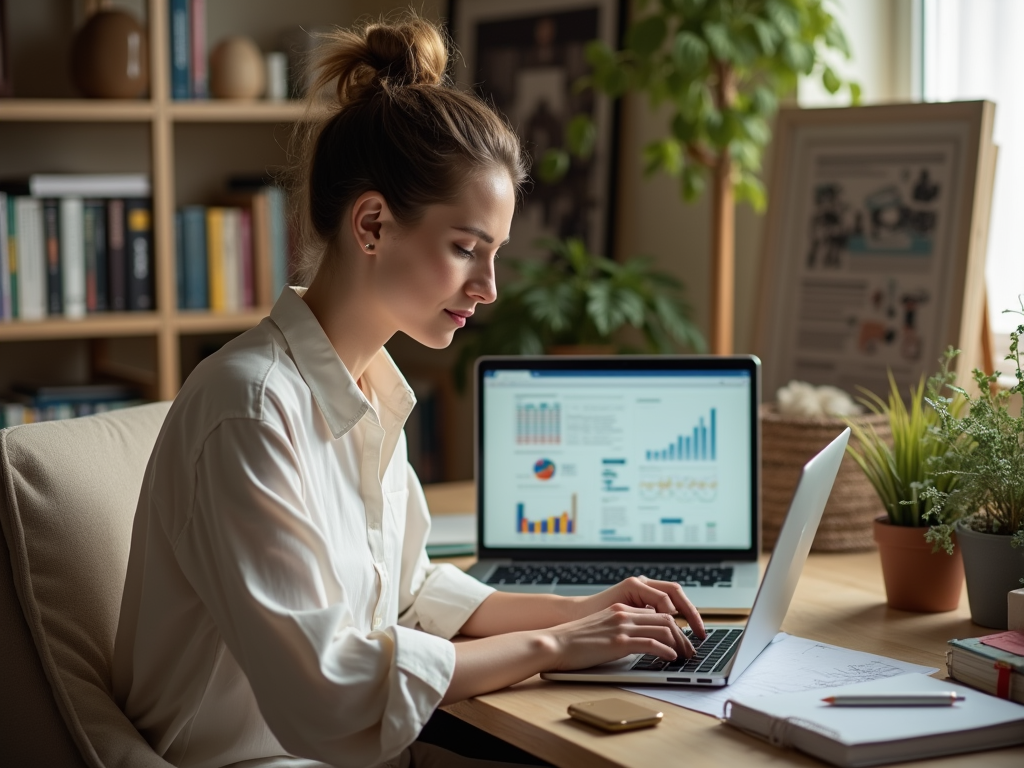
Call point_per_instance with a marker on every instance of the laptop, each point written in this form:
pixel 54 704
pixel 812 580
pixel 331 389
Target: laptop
pixel 593 469
pixel 728 651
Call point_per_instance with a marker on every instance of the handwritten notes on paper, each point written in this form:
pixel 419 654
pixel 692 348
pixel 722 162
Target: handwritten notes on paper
pixel 788 665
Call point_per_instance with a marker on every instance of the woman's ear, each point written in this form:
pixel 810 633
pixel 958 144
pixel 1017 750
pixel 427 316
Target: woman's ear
pixel 369 212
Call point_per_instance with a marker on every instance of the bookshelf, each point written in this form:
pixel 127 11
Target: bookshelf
pixel 180 144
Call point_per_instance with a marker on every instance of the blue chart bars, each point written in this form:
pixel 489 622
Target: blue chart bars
pixel 698 446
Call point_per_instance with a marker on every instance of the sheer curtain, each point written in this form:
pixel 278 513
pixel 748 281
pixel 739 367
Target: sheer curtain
pixel 974 49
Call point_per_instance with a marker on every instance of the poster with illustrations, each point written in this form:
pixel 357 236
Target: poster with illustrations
pixel 872 260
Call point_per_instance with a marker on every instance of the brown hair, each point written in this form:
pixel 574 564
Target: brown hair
pixel 394 124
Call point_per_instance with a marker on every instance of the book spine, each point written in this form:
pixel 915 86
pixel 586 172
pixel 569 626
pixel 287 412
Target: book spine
pixel 31 259
pixel 117 263
pixel 196 269
pixel 245 254
pixel 5 264
pixel 215 258
pixel 181 54
pixel 232 261
pixel 51 240
pixel 89 240
pixel 262 283
pixel 278 240
pixel 138 250
pixel 72 256
pixel 99 209
pixel 12 254
pixel 179 256
pixel 200 80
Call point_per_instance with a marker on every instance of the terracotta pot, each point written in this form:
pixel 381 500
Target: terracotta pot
pixel 994 568
pixel 916 579
pixel 110 58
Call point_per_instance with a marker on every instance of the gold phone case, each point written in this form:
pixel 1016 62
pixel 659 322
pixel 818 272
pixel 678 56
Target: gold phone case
pixel 614 714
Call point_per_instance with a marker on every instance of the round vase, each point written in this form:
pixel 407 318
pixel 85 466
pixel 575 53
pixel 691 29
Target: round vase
pixel 237 70
pixel 110 57
pixel 993 568
pixel 917 579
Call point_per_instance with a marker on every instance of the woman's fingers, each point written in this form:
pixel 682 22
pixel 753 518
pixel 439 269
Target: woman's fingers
pixel 678 640
pixel 669 597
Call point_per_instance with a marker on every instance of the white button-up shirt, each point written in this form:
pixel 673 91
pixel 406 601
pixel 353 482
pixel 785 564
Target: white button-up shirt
pixel 279 600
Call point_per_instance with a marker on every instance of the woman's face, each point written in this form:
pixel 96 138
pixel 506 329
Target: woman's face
pixel 434 273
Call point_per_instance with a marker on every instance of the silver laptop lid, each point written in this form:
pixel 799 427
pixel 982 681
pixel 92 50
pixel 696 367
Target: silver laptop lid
pixel 619 458
pixel 787 561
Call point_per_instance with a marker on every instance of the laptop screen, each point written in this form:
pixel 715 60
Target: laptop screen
pixel 652 454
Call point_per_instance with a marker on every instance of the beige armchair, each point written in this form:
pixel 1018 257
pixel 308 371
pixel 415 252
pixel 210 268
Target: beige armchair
pixel 68 491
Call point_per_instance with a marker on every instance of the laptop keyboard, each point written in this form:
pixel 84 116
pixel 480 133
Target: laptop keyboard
pixel 712 654
pixel 591 573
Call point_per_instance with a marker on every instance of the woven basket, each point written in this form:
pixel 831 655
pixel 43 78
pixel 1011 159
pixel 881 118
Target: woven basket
pixel 787 442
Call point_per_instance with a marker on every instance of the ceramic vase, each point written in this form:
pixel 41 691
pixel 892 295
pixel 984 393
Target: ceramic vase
pixel 993 568
pixel 110 57
pixel 237 70
pixel 917 579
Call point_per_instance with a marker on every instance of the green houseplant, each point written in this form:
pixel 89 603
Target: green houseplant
pixel 577 298
pixel 985 508
pixel 720 66
pixel 917 576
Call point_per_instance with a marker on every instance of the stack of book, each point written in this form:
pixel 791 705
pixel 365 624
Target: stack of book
pixel 27 405
pixel 233 256
pixel 189 77
pixel 74 244
pixel 994 664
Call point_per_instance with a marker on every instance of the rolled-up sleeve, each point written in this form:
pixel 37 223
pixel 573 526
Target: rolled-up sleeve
pixel 328 689
pixel 438 597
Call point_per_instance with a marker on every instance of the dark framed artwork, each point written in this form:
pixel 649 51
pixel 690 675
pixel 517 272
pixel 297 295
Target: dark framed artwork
pixel 525 57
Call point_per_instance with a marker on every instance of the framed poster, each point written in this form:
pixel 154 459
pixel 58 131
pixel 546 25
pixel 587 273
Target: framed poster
pixel 525 57
pixel 874 247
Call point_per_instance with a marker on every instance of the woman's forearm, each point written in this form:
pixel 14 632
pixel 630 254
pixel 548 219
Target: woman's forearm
pixel 504 612
pixel 490 663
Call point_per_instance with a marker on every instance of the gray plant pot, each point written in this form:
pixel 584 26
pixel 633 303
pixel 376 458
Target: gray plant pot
pixel 993 569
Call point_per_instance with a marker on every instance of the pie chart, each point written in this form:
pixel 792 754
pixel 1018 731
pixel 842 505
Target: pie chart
pixel 544 469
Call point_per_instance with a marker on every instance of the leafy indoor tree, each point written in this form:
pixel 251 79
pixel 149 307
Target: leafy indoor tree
pixel 721 66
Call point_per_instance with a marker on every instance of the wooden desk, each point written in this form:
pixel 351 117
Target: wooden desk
pixel 840 599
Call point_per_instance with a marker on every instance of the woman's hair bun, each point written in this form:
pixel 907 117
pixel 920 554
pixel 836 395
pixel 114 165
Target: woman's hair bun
pixel 410 51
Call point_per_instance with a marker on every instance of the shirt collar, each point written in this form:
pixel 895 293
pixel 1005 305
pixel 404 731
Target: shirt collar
pixel 335 391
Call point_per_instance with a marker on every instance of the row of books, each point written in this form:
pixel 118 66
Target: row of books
pixel 189 75
pixel 30 404
pixel 230 257
pixel 68 247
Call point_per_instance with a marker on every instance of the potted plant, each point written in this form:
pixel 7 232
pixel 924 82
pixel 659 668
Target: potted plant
pixel 985 508
pixel 917 576
pixel 720 68
pixel 585 301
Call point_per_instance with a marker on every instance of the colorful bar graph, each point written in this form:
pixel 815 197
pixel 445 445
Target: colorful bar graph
pixel 563 523
pixel 700 445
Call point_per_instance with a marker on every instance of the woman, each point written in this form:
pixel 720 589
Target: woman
pixel 278 600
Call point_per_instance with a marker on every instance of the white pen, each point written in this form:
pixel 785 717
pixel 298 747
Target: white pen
pixel 938 699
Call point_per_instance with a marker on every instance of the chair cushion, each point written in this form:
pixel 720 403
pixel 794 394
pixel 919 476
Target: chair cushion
pixel 67 501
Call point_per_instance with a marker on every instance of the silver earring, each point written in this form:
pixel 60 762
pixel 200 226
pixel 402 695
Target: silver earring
pixel 368 246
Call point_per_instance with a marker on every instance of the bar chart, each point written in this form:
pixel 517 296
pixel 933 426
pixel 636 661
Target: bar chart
pixel 538 424
pixel 562 523
pixel 701 444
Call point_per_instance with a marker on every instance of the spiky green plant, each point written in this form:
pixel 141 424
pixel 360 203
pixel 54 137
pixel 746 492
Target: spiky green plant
pixel 902 471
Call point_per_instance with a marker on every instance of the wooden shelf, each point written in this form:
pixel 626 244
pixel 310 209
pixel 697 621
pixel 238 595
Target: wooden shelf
pixel 200 321
pixel 76 110
pixel 92 326
pixel 225 111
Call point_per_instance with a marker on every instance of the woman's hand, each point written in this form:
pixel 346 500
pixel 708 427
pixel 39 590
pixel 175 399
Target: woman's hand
pixel 614 632
pixel 665 597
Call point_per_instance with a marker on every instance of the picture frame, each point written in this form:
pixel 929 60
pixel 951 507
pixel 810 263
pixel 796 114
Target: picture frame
pixel 524 57
pixel 873 256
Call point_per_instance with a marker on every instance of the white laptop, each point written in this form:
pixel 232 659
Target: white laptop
pixel 728 651
pixel 592 469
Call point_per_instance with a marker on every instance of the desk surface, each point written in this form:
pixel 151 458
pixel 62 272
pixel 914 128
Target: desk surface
pixel 840 599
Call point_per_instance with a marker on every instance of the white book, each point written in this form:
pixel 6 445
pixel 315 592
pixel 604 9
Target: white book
pixel 89 185
pixel 31 259
pixel 72 256
pixel 5 263
pixel 232 260
pixel 863 736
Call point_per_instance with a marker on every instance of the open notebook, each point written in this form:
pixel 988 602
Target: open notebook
pixel 861 736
